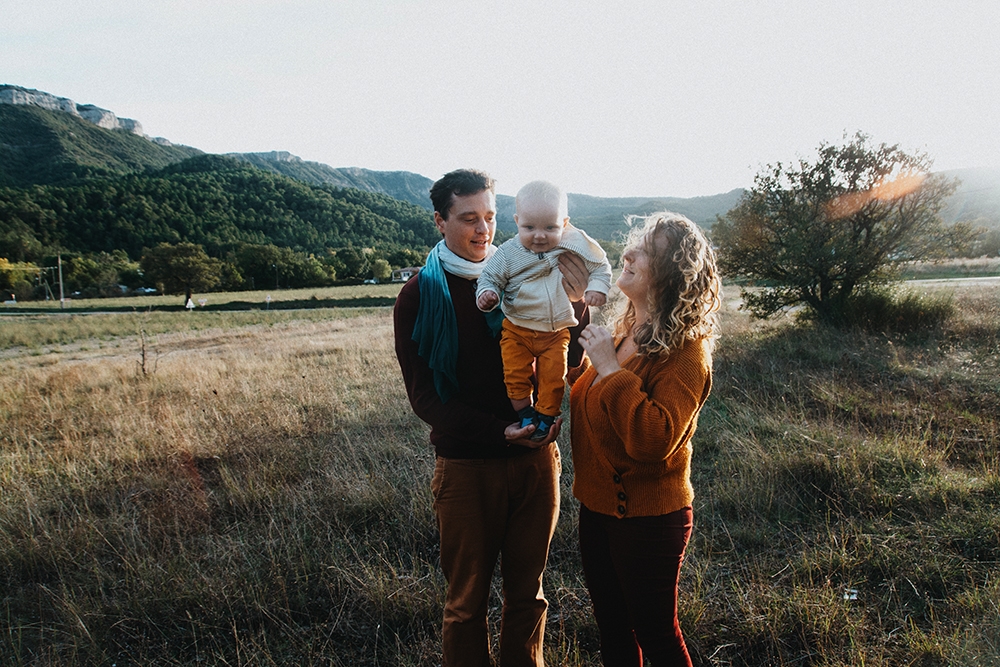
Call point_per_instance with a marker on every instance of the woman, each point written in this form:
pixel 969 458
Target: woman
pixel 634 409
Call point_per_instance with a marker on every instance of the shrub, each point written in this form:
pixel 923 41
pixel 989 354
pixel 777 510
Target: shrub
pixel 887 310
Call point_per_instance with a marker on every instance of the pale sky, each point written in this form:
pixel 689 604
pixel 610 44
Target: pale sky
pixel 626 98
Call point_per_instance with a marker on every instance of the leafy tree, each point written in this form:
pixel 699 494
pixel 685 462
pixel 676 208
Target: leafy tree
pixel 381 270
pixel 987 240
pixel 818 233
pixel 15 279
pixel 355 262
pixel 98 274
pixel 406 257
pixel 334 265
pixel 265 265
pixel 184 267
pixel 230 278
pixel 261 265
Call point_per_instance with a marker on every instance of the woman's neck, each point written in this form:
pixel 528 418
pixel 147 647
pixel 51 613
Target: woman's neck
pixel 641 317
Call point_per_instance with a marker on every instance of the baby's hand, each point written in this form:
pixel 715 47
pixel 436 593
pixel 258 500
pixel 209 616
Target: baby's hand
pixel 596 299
pixel 487 300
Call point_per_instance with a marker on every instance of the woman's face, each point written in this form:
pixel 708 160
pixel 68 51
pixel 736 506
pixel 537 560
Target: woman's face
pixel 634 278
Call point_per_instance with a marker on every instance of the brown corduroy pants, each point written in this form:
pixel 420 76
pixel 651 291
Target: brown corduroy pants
pixel 490 508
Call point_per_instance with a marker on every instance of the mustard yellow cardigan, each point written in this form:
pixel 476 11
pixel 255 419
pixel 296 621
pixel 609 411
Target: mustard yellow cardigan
pixel 631 432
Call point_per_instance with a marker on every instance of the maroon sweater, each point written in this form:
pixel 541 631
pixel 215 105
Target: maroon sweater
pixel 471 424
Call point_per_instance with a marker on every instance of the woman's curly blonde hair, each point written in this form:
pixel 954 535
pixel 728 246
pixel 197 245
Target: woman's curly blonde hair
pixel 685 291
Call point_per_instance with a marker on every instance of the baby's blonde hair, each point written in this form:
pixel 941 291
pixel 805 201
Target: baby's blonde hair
pixel 543 192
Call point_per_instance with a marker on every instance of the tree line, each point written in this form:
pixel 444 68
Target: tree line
pixel 829 235
pixel 256 228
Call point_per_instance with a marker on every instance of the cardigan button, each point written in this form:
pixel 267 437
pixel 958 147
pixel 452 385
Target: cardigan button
pixel 617 478
pixel 622 496
pixel 621 510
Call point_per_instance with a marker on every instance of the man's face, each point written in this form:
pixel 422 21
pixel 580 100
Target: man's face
pixel 539 228
pixel 468 230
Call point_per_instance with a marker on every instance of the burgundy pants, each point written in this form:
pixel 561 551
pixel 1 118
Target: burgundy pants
pixel 632 566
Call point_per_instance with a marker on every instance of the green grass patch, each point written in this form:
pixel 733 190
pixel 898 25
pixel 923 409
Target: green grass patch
pixel 319 297
pixel 983 267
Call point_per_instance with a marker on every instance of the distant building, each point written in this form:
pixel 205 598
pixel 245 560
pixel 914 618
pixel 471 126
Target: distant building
pixel 402 275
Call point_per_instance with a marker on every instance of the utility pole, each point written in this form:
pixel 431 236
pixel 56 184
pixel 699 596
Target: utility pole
pixel 62 298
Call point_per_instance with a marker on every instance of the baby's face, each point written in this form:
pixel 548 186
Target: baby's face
pixel 539 229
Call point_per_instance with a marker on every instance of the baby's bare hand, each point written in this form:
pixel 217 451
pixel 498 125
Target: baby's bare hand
pixel 595 299
pixel 487 300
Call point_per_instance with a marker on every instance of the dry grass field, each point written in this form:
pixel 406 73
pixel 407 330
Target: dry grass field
pixel 257 493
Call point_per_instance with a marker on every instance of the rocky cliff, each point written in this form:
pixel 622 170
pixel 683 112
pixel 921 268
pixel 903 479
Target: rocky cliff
pixel 17 95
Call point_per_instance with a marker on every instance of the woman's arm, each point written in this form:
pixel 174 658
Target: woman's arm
pixel 653 415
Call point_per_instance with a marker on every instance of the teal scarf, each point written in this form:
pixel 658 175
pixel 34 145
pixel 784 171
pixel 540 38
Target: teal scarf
pixel 436 328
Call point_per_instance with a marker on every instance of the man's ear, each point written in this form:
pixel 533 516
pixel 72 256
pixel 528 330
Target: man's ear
pixel 439 222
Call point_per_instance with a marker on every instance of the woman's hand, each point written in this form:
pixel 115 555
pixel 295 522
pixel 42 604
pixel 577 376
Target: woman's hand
pixel 575 275
pixel 600 347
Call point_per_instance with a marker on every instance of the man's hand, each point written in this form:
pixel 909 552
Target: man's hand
pixel 487 301
pixel 522 436
pixel 596 299
pixel 575 275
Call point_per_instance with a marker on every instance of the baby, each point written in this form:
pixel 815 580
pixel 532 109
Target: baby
pixel 537 310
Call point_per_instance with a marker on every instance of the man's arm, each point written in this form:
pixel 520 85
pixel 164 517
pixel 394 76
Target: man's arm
pixel 574 275
pixel 455 417
pixel 574 357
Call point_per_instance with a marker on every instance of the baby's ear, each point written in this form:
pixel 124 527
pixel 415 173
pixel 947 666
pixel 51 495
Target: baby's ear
pixel 565 221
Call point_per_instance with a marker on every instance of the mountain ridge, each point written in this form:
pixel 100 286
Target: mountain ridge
pixel 404 185
pixel 62 150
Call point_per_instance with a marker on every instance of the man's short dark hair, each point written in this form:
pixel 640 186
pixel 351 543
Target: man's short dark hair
pixel 460 182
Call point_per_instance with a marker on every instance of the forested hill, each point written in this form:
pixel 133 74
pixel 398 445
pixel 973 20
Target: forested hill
pixel 601 217
pixel 217 202
pixel 404 185
pixel 605 217
pixel 42 146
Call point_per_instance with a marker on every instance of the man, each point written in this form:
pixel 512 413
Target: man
pixel 496 492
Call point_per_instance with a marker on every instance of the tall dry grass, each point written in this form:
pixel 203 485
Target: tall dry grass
pixel 254 496
pixel 261 497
